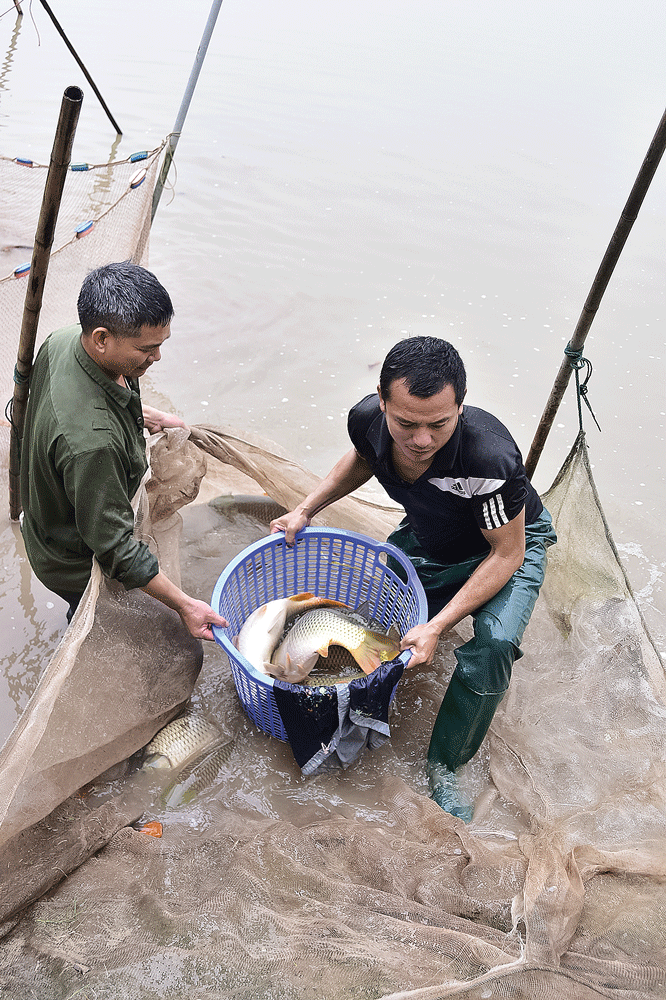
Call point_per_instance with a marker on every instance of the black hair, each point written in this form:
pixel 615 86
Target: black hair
pixel 426 364
pixel 123 297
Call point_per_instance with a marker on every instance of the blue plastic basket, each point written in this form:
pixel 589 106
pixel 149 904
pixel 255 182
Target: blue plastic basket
pixel 330 563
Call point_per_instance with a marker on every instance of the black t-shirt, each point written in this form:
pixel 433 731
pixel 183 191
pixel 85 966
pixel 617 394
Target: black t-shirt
pixel 477 480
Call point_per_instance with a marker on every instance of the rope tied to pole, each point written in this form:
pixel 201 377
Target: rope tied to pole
pixel 577 362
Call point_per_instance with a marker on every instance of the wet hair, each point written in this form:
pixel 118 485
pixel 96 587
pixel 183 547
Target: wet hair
pixel 123 297
pixel 426 364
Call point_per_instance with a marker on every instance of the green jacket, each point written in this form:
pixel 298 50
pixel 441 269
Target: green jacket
pixel 83 456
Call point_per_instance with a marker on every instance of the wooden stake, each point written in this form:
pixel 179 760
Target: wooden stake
pixel 85 72
pixel 48 216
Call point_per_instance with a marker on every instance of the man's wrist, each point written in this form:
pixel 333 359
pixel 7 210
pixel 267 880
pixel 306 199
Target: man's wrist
pixel 437 626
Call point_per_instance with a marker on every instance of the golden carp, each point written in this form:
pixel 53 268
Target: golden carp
pixel 316 630
pixel 262 630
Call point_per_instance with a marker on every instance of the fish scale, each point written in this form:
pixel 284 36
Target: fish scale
pixel 180 740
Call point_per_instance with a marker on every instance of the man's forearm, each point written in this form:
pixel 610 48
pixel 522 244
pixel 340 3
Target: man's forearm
pixel 197 616
pixel 346 476
pixel 162 589
pixel 485 582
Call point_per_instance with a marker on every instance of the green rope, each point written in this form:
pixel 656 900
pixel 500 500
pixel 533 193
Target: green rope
pixel 577 361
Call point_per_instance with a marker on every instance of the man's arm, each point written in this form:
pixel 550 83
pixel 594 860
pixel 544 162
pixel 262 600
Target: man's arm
pixel 197 616
pixel 346 476
pixel 507 551
pixel 105 521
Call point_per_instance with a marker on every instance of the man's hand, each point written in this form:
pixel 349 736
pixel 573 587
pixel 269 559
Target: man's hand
pixel 198 618
pixel 291 523
pixel 350 472
pixel 156 420
pixel 421 641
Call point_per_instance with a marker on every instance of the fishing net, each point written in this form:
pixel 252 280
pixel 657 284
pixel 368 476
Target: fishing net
pixel 350 883
pixel 353 882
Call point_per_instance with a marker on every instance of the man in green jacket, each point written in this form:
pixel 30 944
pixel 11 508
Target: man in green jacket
pixel 83 451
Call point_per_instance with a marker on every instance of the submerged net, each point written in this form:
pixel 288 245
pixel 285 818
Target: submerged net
pixel 354 883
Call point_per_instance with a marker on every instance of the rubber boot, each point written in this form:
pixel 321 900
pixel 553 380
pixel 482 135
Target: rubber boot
pixel 446 792
pixel 462 722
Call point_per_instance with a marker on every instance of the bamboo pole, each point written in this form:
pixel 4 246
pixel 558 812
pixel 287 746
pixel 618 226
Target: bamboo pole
pixel 185 104
pixel 85 72
pixel 603 276
pixel 55 182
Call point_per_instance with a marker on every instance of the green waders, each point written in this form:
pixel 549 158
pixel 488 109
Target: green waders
pixel 482 675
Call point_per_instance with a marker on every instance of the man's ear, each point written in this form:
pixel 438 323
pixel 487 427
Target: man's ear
pixel 99 339
pixel 382 404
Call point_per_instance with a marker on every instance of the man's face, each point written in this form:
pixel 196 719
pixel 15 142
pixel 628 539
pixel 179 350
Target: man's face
pixel 129 356
pixel 420 427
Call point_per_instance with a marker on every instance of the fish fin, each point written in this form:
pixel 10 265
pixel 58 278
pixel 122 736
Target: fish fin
pixel 330 602
pixel 281 670
pixel 374 649
pixel 363 611
pixel 305 667
pixel 306 596
pixel 292 672
pixel 394 635
pixel 157 760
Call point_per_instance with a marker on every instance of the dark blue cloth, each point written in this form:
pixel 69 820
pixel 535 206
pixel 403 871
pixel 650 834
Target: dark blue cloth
pixel 334 724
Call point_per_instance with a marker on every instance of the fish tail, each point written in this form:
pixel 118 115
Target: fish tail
pixel 374 649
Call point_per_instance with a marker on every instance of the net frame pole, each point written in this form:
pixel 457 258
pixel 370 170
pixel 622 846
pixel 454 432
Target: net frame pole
pixel 597 289
pixel 55 181
pixel 83 69
pixel 185 104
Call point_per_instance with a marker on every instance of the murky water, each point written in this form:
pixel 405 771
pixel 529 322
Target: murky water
pixel 351 173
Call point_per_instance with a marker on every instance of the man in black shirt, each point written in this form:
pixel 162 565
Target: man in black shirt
pixel 475 530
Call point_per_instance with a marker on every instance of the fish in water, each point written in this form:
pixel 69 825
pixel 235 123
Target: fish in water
pixel 181 740
pixel 313 633
pixel 198 774
pixel 262 631
pixel 261 508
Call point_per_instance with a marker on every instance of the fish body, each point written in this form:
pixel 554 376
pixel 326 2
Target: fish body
pixel 180 740
pixel 261 508
pixel 198 773
pixel 263 629
pixel 317 629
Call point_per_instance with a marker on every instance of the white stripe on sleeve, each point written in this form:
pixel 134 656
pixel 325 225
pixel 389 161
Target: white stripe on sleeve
pixel 494 514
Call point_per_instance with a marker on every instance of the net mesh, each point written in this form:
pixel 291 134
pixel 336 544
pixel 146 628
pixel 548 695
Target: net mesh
pixel 355 883
pixel 352 883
